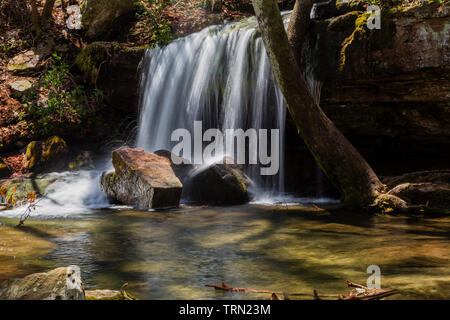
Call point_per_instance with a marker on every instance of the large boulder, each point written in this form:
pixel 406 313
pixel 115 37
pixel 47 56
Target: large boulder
pixel 181 167
pixel 98 16
pixel 58 284
pixel 219 183
pixel 49 155
pixel 142 179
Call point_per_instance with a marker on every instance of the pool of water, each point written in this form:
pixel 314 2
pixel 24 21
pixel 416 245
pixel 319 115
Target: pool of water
pixel 173 254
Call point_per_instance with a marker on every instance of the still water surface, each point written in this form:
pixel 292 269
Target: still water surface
pixel 173 254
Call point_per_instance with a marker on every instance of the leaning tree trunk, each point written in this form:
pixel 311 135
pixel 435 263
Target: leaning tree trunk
pixel 298 26
pixel 339 160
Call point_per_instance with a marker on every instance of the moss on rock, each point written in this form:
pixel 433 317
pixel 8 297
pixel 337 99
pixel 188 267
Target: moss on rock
pixel 99 15
pixel 49 153
pixel 91 57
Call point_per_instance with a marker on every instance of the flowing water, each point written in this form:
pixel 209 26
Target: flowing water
pixel 222 77
pixel 173 254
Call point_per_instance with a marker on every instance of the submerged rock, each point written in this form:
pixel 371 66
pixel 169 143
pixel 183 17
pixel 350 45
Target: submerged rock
pixel 219 183
pixel 59 284
pixel 142 179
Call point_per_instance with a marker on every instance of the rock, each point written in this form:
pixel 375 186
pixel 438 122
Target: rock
pixel 98 16
pixel 434 176
pixel 219 183
pixel 114 69
pixel 387 203
pixel 84 160
pixel 142 179
pixel 108 295
pixel 21 88
pixel 396 78
pixel 23 62
pixel 213 5
pixel 33 154
pixel 434 195
pixel 23 186
pixel 59 284
pixel 182 170
pixel 52 154
pixel 5 172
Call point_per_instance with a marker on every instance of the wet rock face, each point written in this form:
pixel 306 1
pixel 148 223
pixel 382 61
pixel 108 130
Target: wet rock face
pixel 59 284
pixel 391 98
pixel 142 179
pixel 219 183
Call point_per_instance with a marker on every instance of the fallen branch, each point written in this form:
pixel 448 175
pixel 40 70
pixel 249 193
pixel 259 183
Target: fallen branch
pixel 360 293
pixel 225 287
pixel 365 293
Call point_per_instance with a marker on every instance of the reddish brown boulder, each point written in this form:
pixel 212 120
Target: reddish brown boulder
pixel 142 179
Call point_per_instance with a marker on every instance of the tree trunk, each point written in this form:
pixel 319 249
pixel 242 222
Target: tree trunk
pixel 35 17
pixel 47 11
pixel 339 160
pixel 298 26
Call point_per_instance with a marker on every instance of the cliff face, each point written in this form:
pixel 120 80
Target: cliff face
pixel 391 97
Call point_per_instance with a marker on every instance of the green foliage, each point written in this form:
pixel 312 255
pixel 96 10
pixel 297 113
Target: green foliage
pixel 65 100
pixel 150 13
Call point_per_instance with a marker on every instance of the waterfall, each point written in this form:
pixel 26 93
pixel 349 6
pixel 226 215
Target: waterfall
pixel 220 76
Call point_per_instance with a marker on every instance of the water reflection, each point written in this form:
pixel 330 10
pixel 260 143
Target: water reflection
pixel 174 254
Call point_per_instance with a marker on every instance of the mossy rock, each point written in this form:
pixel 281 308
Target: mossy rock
pixel 20 188
pixel 5 172
pixel 53 148
pixel 51 153
pixel 100 15
pixel 33 154
pixel 91 57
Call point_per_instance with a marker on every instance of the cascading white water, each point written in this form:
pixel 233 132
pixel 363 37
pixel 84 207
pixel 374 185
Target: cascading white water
pixel 220 76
